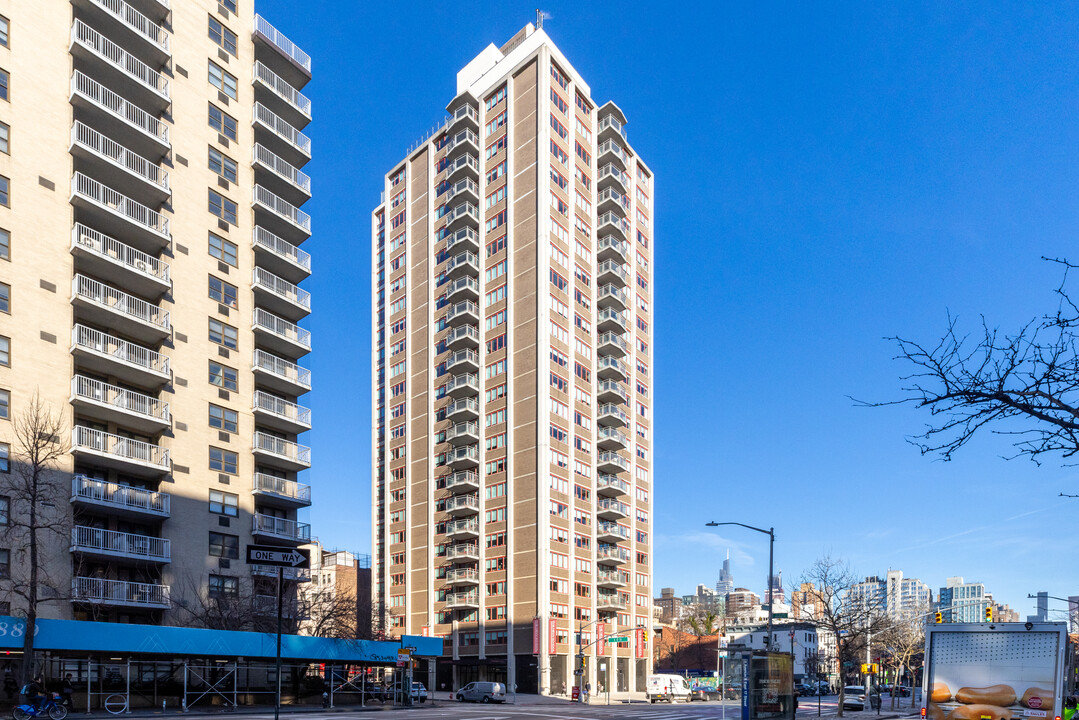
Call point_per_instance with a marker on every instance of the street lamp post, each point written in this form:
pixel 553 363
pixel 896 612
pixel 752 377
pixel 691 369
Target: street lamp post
pixel 770 532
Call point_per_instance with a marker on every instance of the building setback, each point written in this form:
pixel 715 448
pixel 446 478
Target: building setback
pixel 144 304
pixel 513 376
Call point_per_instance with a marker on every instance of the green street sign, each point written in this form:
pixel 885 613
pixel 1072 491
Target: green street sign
pixel 616 639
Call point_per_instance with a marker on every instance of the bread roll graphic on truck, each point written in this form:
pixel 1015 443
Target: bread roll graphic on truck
pixel 994 671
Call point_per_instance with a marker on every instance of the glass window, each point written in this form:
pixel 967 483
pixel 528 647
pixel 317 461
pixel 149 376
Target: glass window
pixel 4 81
pixel 224 461
pixel 5 510
pixel 222 36
pixel 223 250
pixel 224 377
pixel 224 587
pixel 223 165
pixel 222 292
pixel 223 334
pixel 5 28
pixel 5 135
pixel 223 123
pixel 5 404
pixel 230 5
pixel 223 503
pixel 223 419
pixel 5 351
pixel 5 245
pixel 224 546
pixel 5 298
pixel 5 454
pixel 5 563
pixel 222 80
pixel 5 191
pixel 223 208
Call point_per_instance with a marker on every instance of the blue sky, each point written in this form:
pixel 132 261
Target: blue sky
pixel 827 175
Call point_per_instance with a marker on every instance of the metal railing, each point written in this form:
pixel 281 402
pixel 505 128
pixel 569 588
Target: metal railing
pixel 470 525
pixel 462 599
pixel 119 398
pixel 609 362
pixel 462 477
pixel 612 315
pixel 610 600
pixel 282 89
pixel 119 203
pixel 610 121
pixel 464 452
pixel 612 552
pixel 282 129
pixel 466 307
pixel 280 527
pixel 462 235
pixel 606 527
pixel 136 21
pixel 109 248
pixel 281 487
pixel 610 338
pixel 462 550
pixel 282 328
pixel 466 355
pixel 124 497
pixel 462 429
pixel 611 171
pixel 613 292
pixel 465 135
pixel 105 345
pixel 612 458
pixel 467 184
pixel 280 287
pixel 281 368
pixel 110 298
pixel 611 576
pixel 463 283
pixel 111 542
pixel 612 194
pixel 611 409
pixel 285 250
pixel 262 155
pixel 468 380
pixel 462 332
pixel 89 439
pixel 282 408
pixel 612 482
pixel 282 448
pixel 462 574
pixel 610 433
pixel 119 592
pixel 610 146
pixel 463 502
pixel 611 218
pixel 612 267
pixel 282 208
pixel 611 505
pixel 466 160
pixel 463 259
pixel 117 106
pixel 282 43
pixel 84 35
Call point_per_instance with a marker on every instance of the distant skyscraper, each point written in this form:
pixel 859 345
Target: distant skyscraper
pixel 962 601
pixel 1042 615
pixel 775 589
pixel 726 579
pixel 893 593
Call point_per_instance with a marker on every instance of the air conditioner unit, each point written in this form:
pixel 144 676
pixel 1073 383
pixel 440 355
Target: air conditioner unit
pixel 85 239
pixel 142 265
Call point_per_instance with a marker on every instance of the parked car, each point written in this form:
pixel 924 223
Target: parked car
pixel 672 688
pixel 486 692
pixel 703 692
pixel 419 693
pixel 854 698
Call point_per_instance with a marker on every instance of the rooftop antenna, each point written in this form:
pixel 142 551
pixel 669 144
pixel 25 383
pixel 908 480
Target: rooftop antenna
pixel 540 17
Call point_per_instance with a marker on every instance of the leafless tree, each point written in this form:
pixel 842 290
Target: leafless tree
pixel 240 610
pixel 329 612
pixel 905 636
pixel 39 518
pixel 850 623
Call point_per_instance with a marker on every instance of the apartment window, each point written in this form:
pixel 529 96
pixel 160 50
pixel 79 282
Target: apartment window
pixel 5 191
pixel 5 134
pixel 223 503
pixel 222 207
pixel 224 461
pixel 5 27
pixel 223 334
pixel 222 292
pixel 5 455
pixel 222 80
pixel 223 250
pixel 5 351
pixel 224 587
pixel 224 546
pixel 222 36
pixel 229 5
pixel 223 165
pixel 224 377
pixel 5 245
pixel 224 419
pixel 5 404
pixel 5 80
pixel 222 122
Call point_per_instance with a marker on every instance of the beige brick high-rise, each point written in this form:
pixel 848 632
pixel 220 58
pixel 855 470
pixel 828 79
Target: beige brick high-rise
pixel 512 491
pixel 152 184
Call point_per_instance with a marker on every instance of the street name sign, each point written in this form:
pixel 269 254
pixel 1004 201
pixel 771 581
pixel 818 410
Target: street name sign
pixel 278 556
pixel 617 638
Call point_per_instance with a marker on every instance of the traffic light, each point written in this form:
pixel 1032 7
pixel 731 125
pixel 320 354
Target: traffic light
pixel 938 618
pixel 989 614
pixel 584 662
pixel 645 635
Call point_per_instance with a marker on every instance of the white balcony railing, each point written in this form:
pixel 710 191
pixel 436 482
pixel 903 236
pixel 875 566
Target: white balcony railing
pixel 120 544
pixel 118 301
pixel 136 22
pixel 266 240
pixel 282 89
pixel 274 405
pixel 280 527
pixel 282 129
pixel 282 43
pixel 300 454
pixel 119 592
pixel 261 155
pixel 282 208
pixel 282 288
pixel 96 93
pixel 84 35
pixel 136 451
pixel 120 497
pixel 85 388
pixel 282 368
pixel 118 203
pixel 111 249
pixel 282 328
pixel 281 487
pixel 113 348
pixel 118 155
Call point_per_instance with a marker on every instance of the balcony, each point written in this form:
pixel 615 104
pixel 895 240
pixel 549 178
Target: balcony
pixel 611 368
pixel 610 579
pixel 610 174
pixel 275 528
pixel 612 296
pixel 609 391
pixel 611 319
pixel 464 529
pixel 463 141
pixel 155 37
pixel 463 409
pixel 463 576
pixel 463 433
pixel 280 374
pixel 117 499
pixel 109 544
pixel 125 170
pixel 298 575
pixel 109 403
pixel 279 216
pixel 461 385
pixel 611 486
pixel 464 166
pixel 283 178
pixel 465 456
pixel 611 248
pixel 296 57
pixel 273 490
pixel 612 555
pixel 610 126
pixel 611 221
pixel 465 336
pixel 295 144
pixel 610 271
pixel 611 509
pixel 611 601
pixel 108 355
pixel 458 505
pixel 463 215
pixel 463 481
pixel 116 214
pixel 464 239
pixel 463 361
pixel 279 334
pixel 463 287
pixel 106 306
pixel 122 68
pixel 463 312
pixel 119 117
pixel 465 114
pixel 280 256
pixel 612 415
pixel 133 457
pixel 277 452
pixel 611 462
pixel 280 414
pixel 611 199
pixel 279 295
pixel 102 255
pixel 463 552
pixel 466 189
pixel 119 593
pixel 611 532
pixel 462 263
pixel 290 102
pixel 463 600
pixel 612 344
pixel 609 438
pixel 611 150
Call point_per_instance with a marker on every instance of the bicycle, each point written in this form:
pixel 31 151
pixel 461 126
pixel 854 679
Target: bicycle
pixel 50 706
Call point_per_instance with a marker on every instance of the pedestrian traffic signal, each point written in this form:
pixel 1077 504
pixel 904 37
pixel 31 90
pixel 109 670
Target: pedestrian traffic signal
pixel 938 618
pixel 989 614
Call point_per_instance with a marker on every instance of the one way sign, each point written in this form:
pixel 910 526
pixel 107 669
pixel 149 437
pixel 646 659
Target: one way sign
pixel 278 556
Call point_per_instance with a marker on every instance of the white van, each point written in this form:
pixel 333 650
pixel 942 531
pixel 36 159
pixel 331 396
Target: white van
pixel 672 688
pixel 485 692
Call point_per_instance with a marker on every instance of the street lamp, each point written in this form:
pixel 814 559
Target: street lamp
pixel 770 532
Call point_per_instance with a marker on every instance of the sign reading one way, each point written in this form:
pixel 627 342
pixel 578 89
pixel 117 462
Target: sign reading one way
pixel 278 556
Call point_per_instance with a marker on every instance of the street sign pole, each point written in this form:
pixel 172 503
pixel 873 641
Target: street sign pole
pixel 280 598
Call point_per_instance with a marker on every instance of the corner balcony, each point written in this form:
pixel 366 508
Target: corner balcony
pixel 285 100
pixel 611 532
pixel 464 529
pixel 611 319
pixel 290 142
pixel 154 38
pixel 142 131
pixel 610 578
pixel 466 336
pixel 611 150
pixel 106 306
pixel 280 256
pixel 280 414
pixel 108 355
pixel 463 576
pixel 610 126
pixel 464 239
pixel 109 545
pixel 612 296
pixel 609 391
pixel 610 271
pixel 298 575
pixel 279 295
pixel 463 433
pixel 612 555
pixel 461 385
pixel 463 409
pixel 612 222
pixel 611 509
pixel 281 176
pixel 459 505
pixel 609 438
pixel 280 529
pixel 298 60
pixel 612 416
pixel 611 248
pixel 280 335
pixel 611 368
pixel 115 499
pixel 611 601
pixel 465 456
pixel 109 403
pixel 611 199
pixel 464 481
pixel 465 189
pixel 463 141
pixel 463 600
pixel 463 287
pixel 465 114
pixel 279 216
pixel 272 490
pixel 463 361
pixel 611 486
pixel 116 214
pixel 284 454
pixel 119 593
pixel 100 254
pixel 612 344
pixel 119 67
pixel 611 175
pixel 132 457
pixel 462 263
pixel 463 215
pixel 463 552
pixel 463 312
pixel 279 374
pixel 123 169
pixel 612 463
pixel 464 166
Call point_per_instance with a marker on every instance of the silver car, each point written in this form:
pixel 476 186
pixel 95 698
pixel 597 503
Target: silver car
pixel 486 692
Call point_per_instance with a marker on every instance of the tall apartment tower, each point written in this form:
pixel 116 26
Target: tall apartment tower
pixel 150 231
pixel 513 374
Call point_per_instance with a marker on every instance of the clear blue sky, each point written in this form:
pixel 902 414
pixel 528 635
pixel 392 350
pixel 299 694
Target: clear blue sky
pixel 827 175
